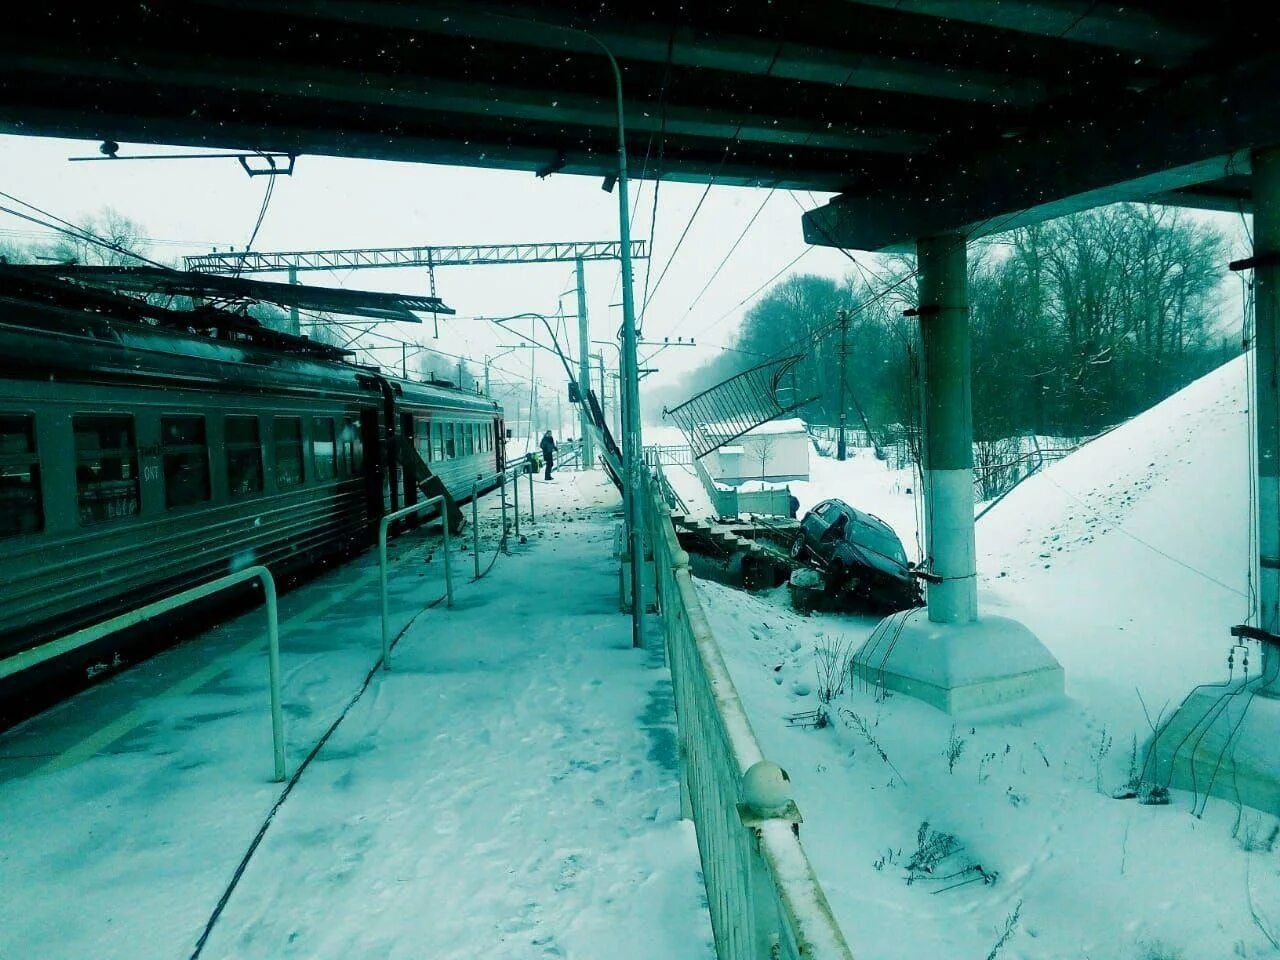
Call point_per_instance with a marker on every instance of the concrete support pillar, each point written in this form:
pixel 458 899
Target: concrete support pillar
pixel 588 458
pixel 945 655
pixel 948 430
pixel 1221 740
pixel 1266 278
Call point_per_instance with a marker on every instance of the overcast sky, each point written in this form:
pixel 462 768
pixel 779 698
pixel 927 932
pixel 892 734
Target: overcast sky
pixel 193 206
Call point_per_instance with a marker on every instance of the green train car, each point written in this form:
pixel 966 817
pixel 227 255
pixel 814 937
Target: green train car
pixel 137 460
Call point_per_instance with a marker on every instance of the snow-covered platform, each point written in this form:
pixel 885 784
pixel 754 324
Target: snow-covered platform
pixel 508 789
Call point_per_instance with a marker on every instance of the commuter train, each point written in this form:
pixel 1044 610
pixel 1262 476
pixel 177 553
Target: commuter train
pixel 137 460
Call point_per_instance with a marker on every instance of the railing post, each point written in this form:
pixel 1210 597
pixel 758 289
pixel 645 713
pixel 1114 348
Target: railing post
pixel 531 516
pixel 74 641
pixel 670 612
pixel 515 487
pixel 475 525
pixel 382 581
pixel 448 565
pixel 383 526
pixel 273 670
pixel 502 485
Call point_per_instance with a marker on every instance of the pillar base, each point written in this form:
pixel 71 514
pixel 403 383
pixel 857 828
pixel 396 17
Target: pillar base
pixel 960 667
pixel 1224 728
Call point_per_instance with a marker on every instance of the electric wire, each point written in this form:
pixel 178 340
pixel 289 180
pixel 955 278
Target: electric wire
pixel 262 215
pixel 715 273
pixel 724 316
pixel 72 230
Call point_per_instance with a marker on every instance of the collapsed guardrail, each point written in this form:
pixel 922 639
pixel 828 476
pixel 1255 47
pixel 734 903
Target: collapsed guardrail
pixel 764 899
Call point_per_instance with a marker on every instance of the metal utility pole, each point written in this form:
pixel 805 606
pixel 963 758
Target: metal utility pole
pixel 587 459
pixel 459 374
pixel 634 486
pixel 842 447
pixel 295 325
pixel 487 392
pixel 404 361
pixel 559 417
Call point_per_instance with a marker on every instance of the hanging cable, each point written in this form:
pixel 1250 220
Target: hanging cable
pixel 724 316
pixel 262 214
pixel 715 273
pixel 72 230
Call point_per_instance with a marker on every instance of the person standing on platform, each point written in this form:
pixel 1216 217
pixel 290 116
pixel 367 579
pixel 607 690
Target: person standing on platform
pixel 549 449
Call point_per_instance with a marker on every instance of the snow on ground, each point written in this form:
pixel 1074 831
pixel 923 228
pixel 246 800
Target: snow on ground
pixel 1128 559
pixel 508 789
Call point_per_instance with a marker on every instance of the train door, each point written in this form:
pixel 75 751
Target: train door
pixel 406 438
pixel 375 471
pixel 500 443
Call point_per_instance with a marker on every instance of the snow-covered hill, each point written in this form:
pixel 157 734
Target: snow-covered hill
pixel 1129 560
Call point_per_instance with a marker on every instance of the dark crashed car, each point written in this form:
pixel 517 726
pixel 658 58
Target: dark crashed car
pixel 860 556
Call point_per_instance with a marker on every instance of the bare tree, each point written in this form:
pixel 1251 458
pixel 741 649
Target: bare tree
pixel 123 234
pixel 761 447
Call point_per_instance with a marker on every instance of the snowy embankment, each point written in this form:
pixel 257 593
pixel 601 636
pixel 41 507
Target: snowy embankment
pixel 509 789
pixel 1129 560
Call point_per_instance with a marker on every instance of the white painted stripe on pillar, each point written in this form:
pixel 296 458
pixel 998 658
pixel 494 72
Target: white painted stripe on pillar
pixel 951 546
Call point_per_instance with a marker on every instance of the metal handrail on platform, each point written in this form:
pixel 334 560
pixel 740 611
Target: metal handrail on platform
pixel 764 899
pixel 383 524
pixel 82 638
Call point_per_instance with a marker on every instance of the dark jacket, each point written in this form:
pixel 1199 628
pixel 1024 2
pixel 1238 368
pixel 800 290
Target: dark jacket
pixel 548 446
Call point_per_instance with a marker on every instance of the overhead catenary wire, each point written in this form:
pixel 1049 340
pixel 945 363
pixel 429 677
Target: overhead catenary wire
pixel 720 266
pixel 657 180
pixel 72 230
pixel 262 215
pixel 791 263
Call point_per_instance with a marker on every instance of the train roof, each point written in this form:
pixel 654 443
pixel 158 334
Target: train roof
pixel 61 329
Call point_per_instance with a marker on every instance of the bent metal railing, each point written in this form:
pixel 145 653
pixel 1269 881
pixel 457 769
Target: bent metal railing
pixel 82 638
pixel 386 522
pixel 764 899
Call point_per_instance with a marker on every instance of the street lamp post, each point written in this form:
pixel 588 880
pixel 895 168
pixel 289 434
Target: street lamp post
pixel 632 459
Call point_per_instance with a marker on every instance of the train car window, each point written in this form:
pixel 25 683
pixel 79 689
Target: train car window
pixel 471 439
pixel 244 456
pixel 437 440
pixel 106 467
pixel 21 506
pixel 422 437
pixel 289 459
pixel 351 453
pixel 324 448
pixel 450 450
pixel 186 461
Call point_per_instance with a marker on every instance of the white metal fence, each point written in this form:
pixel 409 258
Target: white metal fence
pixel 764 899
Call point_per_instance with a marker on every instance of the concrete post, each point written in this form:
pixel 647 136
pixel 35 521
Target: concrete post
pixel 588 457
pixel 948 430
pixel 1266 278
